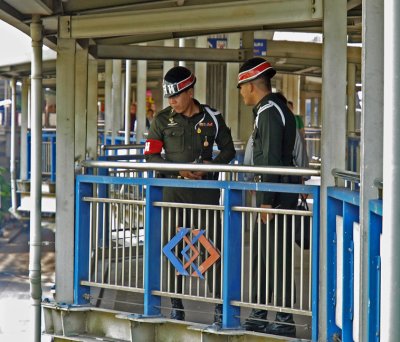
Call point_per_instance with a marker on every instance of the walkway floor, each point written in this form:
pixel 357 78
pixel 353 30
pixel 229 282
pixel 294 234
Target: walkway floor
pixel 15 309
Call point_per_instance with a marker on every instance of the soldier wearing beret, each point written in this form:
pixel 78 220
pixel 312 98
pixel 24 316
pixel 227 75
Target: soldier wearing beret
pixel 273 141
pixel 187 132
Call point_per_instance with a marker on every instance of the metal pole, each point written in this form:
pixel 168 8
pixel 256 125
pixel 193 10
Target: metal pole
pixel 13 175
pixel 390 282
pixel 36 177
pixel 128 82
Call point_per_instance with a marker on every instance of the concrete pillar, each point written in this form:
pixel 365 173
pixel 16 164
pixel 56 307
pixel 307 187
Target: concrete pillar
pixel 141 100
pixel 351 97
pixel 92 110
pixel 65 169
pixel 232 93
pixel 128 100
pixel 200 89
pixel 371 149
pixel 390 293
pixel 116 99
pixel 23 167
pixel 35 240
pixel 81 85
pixel 246 115
pixel 108 109
pixel 13 171
pixel 166 66
pixel 333 116
pixel 181 43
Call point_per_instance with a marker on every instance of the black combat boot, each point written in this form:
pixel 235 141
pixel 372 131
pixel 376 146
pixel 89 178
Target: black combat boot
pixel 283 325
pixel 256 321
pixel 218 315
pixel 177 309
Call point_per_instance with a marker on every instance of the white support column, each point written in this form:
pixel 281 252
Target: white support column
pixel 65 170
pixel 35 241
pixel 128 100
pixel 371 149
pixel 232 93
pixel 141 100
pixel 166 66
pixel 333 124
pixel 246 118
pixel 13 173
pixel 200 90
pixel 116 99
pixel 108 115
pixel 182 45
pixel 81 84
pixel 23 167
pixel 390 293
pixel 91 129
pixel 351 97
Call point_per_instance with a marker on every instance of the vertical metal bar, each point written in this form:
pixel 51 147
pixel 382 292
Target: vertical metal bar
pixel 142 209
pixel 90 240
pixel 242 257
pixel 130 245
pixel 250 258
pixel 111 222
pixel 222 251
pixel 137 243
pixel 292 286
pixel 310 275
pixel 116 222
pixel 284 260
pixel 103 256
pixel 259 257
pixel 123 244
pixel 161 254
pixel 302 263
pixel 275 260
pixel 96 240
pixel 267 275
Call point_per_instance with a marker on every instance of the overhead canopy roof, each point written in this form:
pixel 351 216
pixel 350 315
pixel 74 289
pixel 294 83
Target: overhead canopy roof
pixel 112 26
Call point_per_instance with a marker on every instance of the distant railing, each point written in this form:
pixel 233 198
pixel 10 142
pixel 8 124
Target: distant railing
pixel 127 240
pixel 48 155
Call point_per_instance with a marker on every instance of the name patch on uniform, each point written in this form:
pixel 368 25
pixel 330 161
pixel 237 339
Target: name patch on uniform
pixel 206 124
pixel 153 146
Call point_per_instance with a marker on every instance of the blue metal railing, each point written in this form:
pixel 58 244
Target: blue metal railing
pixel 343 275
pixel 48 155
pixel 374 269
pixel 232 238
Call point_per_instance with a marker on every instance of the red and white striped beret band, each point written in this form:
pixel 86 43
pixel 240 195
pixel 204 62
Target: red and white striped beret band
pixel 248 75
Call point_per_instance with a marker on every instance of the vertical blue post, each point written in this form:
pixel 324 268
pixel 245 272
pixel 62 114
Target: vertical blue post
pixel 102 193
pixel 53 158
pixel 335 207
pixel 350 215
pixel 231 259
pixel 315 264
pixel 152 256
pixel 82 252
pixel 374 270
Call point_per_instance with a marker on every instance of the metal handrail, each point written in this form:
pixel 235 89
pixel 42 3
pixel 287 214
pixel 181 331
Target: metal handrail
pixel 273 170
pixel 348 176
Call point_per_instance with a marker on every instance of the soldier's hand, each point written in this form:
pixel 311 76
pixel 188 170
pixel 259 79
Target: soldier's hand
pixel 264 216
pixel 189 175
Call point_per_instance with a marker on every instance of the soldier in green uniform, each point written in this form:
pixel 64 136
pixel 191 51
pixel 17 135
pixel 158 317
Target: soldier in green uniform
pixel 187 131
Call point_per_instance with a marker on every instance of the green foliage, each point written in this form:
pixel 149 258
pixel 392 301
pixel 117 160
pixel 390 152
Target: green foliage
pixel 5 191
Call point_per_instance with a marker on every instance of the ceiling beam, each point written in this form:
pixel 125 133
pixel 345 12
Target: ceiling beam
pixel 163 53
pixel 237 14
